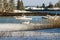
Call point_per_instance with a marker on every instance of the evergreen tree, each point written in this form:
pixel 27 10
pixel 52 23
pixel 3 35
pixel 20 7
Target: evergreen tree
pixel 43 5
pixel 11 6
pixel 50 5
pixel 37 6
pixel 20 5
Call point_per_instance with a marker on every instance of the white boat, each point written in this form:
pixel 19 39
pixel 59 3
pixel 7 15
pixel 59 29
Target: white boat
pixel 23 18
pixel 52 17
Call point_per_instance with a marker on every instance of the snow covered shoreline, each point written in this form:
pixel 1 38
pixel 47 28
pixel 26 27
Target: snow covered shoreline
pixel 17 27
pixel 27 34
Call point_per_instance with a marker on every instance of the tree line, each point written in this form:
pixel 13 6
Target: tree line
pixel 50 5
pixel 9 6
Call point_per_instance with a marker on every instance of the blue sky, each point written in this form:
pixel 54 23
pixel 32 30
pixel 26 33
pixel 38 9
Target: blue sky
pixel 37 2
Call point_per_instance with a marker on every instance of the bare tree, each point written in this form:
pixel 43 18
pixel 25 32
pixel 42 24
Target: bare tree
pixel 11 6
pixel 0 5
pixel 5 5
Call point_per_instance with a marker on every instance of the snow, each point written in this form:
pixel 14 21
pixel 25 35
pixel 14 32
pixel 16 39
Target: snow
pixel 21 11
pixel 54 8
pixel 34 8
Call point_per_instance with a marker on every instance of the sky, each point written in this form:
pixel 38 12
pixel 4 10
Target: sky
pixel 37 2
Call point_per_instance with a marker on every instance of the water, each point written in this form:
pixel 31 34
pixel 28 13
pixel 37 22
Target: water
pixel 13 20
pixel 51 12
pixel 47 34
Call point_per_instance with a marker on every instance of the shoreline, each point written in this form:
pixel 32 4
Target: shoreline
pixel 27 14
pixel 22 27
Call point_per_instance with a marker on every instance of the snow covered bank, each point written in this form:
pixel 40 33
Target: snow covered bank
pixel 28 34
pixel 31 26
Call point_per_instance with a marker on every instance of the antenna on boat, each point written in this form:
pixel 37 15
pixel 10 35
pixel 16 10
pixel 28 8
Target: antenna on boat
pixel 56 14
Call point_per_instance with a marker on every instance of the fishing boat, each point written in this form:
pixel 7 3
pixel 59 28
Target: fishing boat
pixel 22 18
